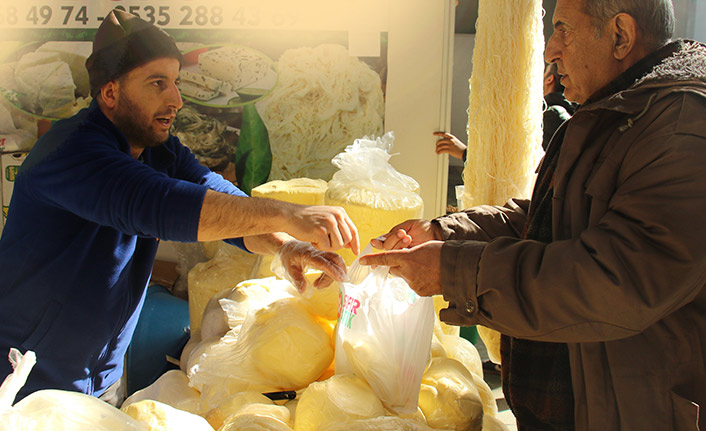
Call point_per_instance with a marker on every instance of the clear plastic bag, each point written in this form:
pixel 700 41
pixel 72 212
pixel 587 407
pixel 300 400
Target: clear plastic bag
pixel 366 177
pixel 53 409
pixel 375 195
pixel 384 335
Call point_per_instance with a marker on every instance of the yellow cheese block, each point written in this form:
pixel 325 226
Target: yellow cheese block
pixel 371 221
pixel 206 279
pixel 303 191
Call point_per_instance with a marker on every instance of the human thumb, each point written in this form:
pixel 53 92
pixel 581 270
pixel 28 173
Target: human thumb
pixel 375 259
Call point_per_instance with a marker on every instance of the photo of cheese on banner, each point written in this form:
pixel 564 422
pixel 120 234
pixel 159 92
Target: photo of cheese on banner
pixel 226 75
pixel 325 98
pixel 47 80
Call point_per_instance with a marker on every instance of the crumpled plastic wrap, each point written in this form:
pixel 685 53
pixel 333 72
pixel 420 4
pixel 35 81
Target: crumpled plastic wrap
pixel 171 388
pixel 228 267
pixel 278 346
pixel 157 416
pixel 384 423
pixel 374 194
pixel 342 398
pixel 449 398
pixel 53 409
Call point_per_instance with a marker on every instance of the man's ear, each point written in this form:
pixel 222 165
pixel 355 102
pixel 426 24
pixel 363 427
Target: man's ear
pixel 109 94
pixel 549 80
pixel 624 29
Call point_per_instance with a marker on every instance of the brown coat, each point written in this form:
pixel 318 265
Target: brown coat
pixel 623 280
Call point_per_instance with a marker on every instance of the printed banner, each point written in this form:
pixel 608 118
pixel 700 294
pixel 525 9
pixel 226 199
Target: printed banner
pixel 271 89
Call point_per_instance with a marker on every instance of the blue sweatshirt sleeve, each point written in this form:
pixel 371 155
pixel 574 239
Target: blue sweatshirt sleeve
pixel 191 170
pixel 93 179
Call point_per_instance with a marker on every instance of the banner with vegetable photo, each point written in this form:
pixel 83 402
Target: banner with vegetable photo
pixel 270 90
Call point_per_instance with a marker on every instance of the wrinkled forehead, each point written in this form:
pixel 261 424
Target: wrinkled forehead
pixel 569 12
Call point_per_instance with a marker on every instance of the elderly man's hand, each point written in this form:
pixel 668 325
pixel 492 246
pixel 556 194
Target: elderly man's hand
pixel 419 266
pixel 327 228
pixel 407 234
pixel 297 256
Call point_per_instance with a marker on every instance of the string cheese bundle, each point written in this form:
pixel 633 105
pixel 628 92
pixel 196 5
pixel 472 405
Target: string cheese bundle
pixel 323 100
pixel 505 103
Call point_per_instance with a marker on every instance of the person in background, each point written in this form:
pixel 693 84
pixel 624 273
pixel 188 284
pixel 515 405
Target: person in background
pixel 608 257
pixel 556 110
pixel 96 194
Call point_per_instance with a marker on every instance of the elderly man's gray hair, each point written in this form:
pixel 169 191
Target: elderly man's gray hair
pixel 655 18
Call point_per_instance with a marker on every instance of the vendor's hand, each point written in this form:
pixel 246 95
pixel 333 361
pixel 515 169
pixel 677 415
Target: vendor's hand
pixel 407 234
pixel 297 256
pixel 450 144
pixel 327 228
pixel 419 266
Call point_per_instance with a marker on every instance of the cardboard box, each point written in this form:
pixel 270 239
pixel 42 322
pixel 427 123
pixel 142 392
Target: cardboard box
pixel 10 163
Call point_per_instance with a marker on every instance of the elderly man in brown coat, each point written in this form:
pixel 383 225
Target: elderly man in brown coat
pixel 607 261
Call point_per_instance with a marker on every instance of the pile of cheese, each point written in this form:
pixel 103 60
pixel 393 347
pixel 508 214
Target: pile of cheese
pixel 267 337
pixel 51 81
pixel 264 336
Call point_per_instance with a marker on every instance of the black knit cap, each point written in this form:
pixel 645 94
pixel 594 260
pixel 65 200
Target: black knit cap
pixel 123 42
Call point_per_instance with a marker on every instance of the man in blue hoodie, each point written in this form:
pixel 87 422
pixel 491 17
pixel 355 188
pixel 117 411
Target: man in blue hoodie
pixel 97 193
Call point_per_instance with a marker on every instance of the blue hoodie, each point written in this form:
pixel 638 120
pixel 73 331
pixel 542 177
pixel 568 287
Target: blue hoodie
pixel 77 250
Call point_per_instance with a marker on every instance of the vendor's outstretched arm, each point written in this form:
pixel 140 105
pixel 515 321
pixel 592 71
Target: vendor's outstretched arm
pixel 226 216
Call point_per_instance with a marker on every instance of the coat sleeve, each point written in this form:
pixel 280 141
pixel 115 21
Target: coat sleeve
pixel 485 222
pixel 642 260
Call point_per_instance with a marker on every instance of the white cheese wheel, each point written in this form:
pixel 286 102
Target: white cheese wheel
pixel 236 66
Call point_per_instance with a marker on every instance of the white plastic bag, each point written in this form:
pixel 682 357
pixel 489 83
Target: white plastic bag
pixel 384 335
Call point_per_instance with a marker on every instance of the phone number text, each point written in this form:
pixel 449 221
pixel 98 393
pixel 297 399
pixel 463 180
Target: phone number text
pixel 77 16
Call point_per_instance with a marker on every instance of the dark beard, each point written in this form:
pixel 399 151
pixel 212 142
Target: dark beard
pixel 138 135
